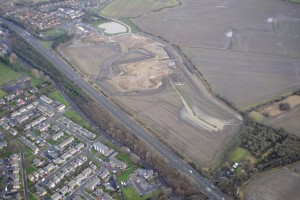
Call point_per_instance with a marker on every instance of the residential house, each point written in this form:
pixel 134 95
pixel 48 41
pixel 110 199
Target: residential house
pixel 100 148
pixel 93 184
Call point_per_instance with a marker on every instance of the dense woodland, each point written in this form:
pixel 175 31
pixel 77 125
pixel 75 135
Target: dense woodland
pixel 181 184
pixel 271 147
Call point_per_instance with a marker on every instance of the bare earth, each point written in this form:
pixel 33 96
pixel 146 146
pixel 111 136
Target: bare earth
pixel 281 184
pixel 288 120
pixel 249 51
pixel 148 78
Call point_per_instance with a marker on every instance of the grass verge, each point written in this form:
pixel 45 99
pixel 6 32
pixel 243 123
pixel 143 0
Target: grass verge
pixel 57 96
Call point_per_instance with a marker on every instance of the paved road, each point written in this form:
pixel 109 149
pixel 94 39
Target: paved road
pixel 24 174
pixel 174 160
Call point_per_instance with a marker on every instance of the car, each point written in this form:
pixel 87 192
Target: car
pixel 191 171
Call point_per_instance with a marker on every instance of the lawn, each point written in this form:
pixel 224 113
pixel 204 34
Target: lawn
pixel 2 94
pixel 126 174
pixel 32 197
pixel 46 44
pixel 97 154
pixel 125 158
pixel 34 81
pixel 131 193
pixel 72 115
pixel 54 32
pixel 29 170
pixel 7 74
pixel 57 96
pixel 239 154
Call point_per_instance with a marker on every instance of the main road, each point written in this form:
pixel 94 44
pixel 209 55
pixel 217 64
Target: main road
pixel 176 162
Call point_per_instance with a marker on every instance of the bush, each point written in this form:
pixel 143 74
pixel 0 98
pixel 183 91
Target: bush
pixel 284 106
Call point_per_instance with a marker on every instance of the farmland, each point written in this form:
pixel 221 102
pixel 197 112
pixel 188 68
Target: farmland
pixel 134 8
pixel 141 76
pixel 270 185
pixel 288 120
pixel 242 49
pixel 240 77
pixel 272 115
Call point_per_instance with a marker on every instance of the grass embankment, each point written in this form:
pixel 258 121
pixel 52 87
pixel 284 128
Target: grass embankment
pixel 57 96
pixel 46 44
pixel 72 115
pixel 134 28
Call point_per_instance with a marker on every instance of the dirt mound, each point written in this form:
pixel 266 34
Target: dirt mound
pixel 144 75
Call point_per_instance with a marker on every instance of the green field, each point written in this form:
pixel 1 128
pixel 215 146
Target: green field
pixel 2 94
pixel 54 32
pixel 126 174
pixel 32 197
pixel 239 154
pixel 30 170
pixel 130 193
pixel 72 115
pixel 46 44
pixel 7 74
pixel 57 96
pixel 134 8
pixel 294 1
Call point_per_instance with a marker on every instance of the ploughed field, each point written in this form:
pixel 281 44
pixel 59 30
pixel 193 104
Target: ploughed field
pixel 248 51
pixel 287 119
pixel 148 79
pixel 280 184
pixel 134 8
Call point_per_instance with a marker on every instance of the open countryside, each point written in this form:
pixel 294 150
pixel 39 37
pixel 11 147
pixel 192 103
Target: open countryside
pixel 149 99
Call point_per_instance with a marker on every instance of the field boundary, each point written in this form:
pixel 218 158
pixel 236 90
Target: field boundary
pixel 241 193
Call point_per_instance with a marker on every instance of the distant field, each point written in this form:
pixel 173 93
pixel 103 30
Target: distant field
pixel 7 74
pixel 281 184
pixel 294 1
pixel 255 62
pixel 53 32
pixel 56 95
pixel 2 93
pixel 246 79
pixel 133 8
pixel 288 120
